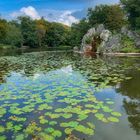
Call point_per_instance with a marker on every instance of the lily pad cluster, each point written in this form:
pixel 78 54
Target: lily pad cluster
pixel 45 96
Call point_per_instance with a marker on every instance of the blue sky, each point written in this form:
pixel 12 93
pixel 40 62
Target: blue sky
pixel 64 11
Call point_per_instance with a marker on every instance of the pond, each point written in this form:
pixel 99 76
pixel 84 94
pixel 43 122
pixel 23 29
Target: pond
pixel 58 96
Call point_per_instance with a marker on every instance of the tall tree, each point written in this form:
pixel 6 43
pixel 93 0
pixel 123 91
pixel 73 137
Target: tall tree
pixel 78 30
pixel 13 35
pixel 41 28
pixel 3 29
pixel 112 16
pixel 132 8
pixel 28 30
pixel 56 35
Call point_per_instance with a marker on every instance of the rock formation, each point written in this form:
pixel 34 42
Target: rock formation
pixel 102 41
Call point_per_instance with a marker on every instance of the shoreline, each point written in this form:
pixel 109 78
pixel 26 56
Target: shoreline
pixel 123 54
pixel 115 54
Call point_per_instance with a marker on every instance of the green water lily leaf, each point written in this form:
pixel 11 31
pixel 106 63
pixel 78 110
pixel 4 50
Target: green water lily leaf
pixel 52 123
pixel 69 124
pixel 2 111
pixel 67 116
pixel 82 117
pixel 92 126
pixel 113 119
pixel 45 136
pixel 49 130
pixel 84 130
pixel 32 128
pixel 2 129
pixel 43 120
pixel 17 127
pixel 9 125
pixel 57 133
pixel 106 109
pixel 68 131
pixel 110 102
pixel 20 137
pixel 117 114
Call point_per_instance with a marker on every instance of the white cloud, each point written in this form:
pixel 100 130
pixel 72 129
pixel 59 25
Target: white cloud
pixel 61 16
pixel 67 18
pixel 64 16
pixel 28 11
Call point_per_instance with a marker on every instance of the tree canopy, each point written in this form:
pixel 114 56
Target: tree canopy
pixel 132 8
pixel 112 16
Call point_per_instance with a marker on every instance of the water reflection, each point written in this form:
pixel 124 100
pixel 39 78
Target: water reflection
pixel 100 72
pixel 131 89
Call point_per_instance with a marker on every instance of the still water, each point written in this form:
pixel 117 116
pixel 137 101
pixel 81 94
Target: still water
pixel 58 96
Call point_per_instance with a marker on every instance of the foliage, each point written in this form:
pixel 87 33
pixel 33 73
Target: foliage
pixel 128 45
pixel 78 30
pixel 56 35
pixel 3 29
pixel 112 16
pixel 28 30
pixel 132 8
pixel 13 35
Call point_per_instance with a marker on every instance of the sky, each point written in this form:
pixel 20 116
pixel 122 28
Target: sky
pixel 63 11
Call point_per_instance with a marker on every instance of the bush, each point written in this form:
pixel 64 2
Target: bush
pixel 128 45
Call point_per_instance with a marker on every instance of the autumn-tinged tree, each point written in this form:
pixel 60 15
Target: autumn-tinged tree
pixel 3 29
pixel 112 16
pixel 41 28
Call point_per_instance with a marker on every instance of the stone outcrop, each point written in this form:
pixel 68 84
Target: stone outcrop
pixel 102 40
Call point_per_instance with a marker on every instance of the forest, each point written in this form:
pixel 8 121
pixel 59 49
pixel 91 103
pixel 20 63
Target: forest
pixel 41 33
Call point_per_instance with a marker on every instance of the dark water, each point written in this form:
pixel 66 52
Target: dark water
pixel 56 95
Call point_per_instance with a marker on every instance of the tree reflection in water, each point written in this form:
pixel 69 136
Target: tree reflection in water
pixel 131 88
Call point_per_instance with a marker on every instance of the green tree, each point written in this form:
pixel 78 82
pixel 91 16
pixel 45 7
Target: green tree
pixel 112 16
pixel 132 8
pixel 78 30
pixel 3 30
pixel 28 30
pixel 56 35
pixel 13 36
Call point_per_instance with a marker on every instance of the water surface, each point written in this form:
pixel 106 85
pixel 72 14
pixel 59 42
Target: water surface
pixel 47 95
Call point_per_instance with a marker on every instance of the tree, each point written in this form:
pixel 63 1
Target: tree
pixel 132 8
pixel 78 30
pixel 13 36
pixel 3 29
pixel 112 16
pixel 41 28
pixel 56 35
pixel 28 30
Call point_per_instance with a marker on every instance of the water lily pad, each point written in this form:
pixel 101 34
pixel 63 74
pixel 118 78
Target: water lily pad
pixel 2 129
pixel 113 119
pixel 57 133
pixel 117 114
pixel 68 131
pixel 20 137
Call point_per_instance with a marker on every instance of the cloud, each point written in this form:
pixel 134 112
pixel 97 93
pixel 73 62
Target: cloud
pixel 28 11
pixel 62 16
